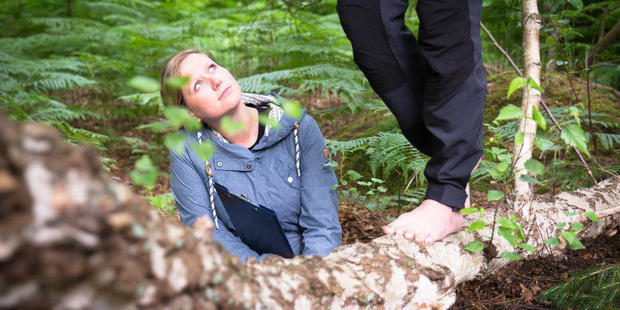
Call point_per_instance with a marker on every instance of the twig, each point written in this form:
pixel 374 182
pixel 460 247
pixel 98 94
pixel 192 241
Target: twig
pixel 590 106
pixel 555 122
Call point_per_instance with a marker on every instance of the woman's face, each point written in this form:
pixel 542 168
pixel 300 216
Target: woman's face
pixel 212 91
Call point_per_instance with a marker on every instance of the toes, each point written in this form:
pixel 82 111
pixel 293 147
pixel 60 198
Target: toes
pixel 420 237
pixel 429 241
pixel 399 231
pixel 388 230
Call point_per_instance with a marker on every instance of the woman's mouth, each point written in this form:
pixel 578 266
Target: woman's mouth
pixel 224 92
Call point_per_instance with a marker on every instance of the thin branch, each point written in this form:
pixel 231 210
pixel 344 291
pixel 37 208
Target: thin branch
pixel 501 49
pixel 555 122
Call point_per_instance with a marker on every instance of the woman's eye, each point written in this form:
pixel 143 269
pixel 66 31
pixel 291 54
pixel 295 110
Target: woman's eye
pixel 212 68
pixel 197 85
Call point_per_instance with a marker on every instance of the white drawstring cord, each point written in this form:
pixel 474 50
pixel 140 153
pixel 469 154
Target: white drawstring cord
pixel 210 174
pixel 296 131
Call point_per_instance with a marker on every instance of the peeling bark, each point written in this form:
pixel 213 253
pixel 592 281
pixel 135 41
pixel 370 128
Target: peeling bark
pixel 71 238
pixel 531 21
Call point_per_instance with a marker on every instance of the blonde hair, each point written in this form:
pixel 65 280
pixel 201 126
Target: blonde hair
pixel 170 95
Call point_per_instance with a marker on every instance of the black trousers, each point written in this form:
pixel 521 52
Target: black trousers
pixel 435 85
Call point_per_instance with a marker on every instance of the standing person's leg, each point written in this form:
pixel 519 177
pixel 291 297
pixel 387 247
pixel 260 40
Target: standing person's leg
pixel 387 53
pixel 455 90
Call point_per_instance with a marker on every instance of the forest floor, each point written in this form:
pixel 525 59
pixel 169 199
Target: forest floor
pixel 515 287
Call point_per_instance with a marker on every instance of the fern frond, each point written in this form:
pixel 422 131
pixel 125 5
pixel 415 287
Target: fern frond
pixel 51 81
pixel 82 136
pixel 593 288
pixel 105 8
pixel 385 150
pixel 608 139
pixel 145 99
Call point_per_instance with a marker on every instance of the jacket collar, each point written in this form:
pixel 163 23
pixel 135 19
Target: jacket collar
pixel 272 135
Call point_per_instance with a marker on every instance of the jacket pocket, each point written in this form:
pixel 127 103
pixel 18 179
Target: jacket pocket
pixel 288 174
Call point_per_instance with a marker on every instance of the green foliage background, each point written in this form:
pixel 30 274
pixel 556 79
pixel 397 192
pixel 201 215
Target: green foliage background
pixel 67 63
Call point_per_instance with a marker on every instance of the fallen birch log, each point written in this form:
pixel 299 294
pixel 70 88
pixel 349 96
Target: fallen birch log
pixel 71 238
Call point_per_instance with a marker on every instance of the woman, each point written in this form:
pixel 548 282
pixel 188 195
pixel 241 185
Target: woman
pixel 280 168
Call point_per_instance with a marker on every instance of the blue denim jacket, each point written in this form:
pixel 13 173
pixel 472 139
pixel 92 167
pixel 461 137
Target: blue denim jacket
pixel 307 206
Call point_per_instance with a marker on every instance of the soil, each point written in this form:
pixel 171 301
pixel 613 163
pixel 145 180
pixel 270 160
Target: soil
pixel 517 285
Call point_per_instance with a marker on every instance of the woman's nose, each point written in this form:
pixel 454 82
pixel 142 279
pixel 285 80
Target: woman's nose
pixel 215 83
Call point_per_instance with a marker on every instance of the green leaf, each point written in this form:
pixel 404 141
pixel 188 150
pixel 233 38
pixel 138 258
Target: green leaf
pixel 354 175
pixel 375 180
pixel 156 126
pixel 515 84
pixel 145 173
pixel 292 108
pixel 268 121
pixel 571 239
pixel 540 120
pixel 509 224
pixel 553 241
pixel 549 41
pixel 535 85
pixel 509 112
pixel 543 144
pixel 175 142
pixel 592 216
pixel 568 213
pixel 526 247
pixel 362 183
pixel 230 126
pixel 177 82
pixel 332 164
pixel 477 225
pixel 575 112
pixel 534 166
pixel 573 135
pixel 181 117
pixel 519 138
pixel 144 84
pixel 204 150
pixel 528 179
pixel 577 227
pixel 474 246
pixel 510 255
pixel 469 210
pixel 382 189
pixel 560 226
pixel 578 4
pixel 334 186
pixel 493 195
pixel 507 234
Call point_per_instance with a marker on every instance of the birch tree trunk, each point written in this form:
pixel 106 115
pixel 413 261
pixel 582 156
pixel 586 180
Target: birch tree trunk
pixel 71 238
pixel 531 21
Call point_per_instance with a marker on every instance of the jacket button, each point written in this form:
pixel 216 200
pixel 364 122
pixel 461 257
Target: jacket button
pixel 249 166
pixel 219 163
pixel 290 179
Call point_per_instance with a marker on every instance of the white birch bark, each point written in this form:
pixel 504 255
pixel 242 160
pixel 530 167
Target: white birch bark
pixel 531 21
pixel 71 238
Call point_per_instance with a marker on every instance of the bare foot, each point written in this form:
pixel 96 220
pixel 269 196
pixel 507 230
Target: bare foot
pixel 429 222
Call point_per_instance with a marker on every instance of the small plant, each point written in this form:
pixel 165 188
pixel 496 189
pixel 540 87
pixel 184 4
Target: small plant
pixel 568 233
pixel 164 203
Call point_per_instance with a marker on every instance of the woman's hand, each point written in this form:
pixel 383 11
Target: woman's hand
pixel 203 222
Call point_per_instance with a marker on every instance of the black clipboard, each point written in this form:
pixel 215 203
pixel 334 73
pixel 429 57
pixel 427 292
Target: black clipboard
pixel 257 226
